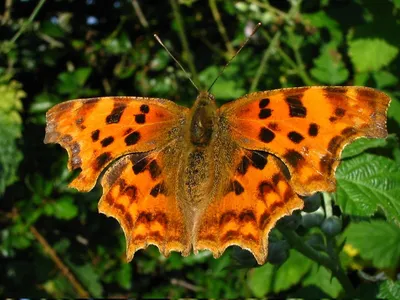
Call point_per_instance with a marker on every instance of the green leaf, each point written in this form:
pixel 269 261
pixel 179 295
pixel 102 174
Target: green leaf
pixel 389 289
pixel 89 279
pixel 63 208
pixel 323 279
pixel 368 182
pixel 384 79
pixel 223 89
pixel 371 54
pixel 70 82
pixel 10 130
pixel 394 109
pixel 259 280
pixel 321 19
pixel 269 278
pixel 377 240
pixel 329 67
pixel 124 276
pixel 360 145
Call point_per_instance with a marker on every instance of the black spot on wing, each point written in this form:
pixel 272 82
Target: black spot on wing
pixel 293 158
pixel 132 138
pixel 296 108
pixel 140 118
pixel 116 113
pixel 295 137
pixel 340 112
pixel 237 188
pixel 313 129
pixel 144 108
pixel 140 166
pixel 102 159
pixel 265 113
pixel 259 159
pixel 107 141
pixel 95 135
pixel 154 169
pixel 266 135
pixel 243 166
pixel 263 103
pixel 159 188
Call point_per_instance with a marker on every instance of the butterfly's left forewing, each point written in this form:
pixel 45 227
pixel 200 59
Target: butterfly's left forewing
pixel 307 128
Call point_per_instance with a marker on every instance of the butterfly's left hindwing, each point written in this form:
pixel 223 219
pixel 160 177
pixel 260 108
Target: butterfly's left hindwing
pixel 307 128
pixel 96 131
pixel 255 194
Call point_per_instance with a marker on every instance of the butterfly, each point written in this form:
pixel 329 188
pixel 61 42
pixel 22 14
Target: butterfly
pixel 207 177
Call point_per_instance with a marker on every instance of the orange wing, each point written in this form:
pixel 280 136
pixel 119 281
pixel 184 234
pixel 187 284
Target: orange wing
pixel 96 131
pixel 307 127
pixel 139 191
pixel 255 198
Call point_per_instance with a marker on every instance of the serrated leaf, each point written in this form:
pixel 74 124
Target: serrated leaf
pixel 378 241
pixel 389 289
pixel 368 182
pixel 329 67
pixel 360 145
pixel 371 54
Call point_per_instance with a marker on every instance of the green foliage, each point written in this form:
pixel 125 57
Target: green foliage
pixel 53 242
pixel 389 289
pixel 377 240
pixel 368 182
pixel 371 54
pixel 10 130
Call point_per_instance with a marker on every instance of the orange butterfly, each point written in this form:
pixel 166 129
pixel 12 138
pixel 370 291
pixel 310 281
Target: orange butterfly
pixel 208 177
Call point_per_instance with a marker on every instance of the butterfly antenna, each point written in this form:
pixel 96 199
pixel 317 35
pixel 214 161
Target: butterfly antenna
pixel 237 52
pixel 177 62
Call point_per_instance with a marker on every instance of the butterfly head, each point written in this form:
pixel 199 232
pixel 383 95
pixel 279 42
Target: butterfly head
pixel 203 119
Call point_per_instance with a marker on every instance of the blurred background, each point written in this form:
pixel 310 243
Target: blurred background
pixel 53 241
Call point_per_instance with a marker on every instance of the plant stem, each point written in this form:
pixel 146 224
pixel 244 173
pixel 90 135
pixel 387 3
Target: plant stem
pixel 29 21
pixel 139 13
pixel 184 41
pixel 264 60
pixel 221 27
pixel 322 259
pixel 61 266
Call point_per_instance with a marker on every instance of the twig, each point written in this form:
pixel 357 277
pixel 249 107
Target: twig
pixel 61 266
pixel 26 23
pixel 7 12
pixel 184 41
pixel 186 285
pixel 264 61
pixel 221 27
pixel 139 13
pixel 322 259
